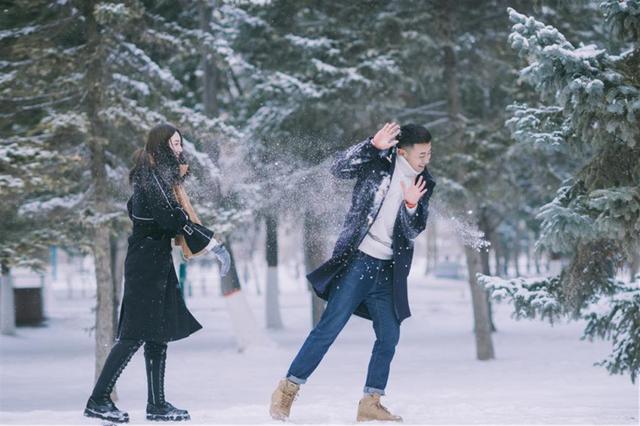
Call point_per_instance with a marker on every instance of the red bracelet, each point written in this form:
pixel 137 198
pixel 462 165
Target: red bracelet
pixel 409 205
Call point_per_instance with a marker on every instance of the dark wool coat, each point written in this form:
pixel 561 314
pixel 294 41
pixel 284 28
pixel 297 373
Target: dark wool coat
pixel 152 307
pixel 372 169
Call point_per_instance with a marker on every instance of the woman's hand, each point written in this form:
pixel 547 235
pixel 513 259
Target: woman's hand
pixel 386 137
pixel 414 192
pixel 223 257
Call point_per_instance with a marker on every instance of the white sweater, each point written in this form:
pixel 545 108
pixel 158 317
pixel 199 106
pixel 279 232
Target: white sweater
pixel 378 241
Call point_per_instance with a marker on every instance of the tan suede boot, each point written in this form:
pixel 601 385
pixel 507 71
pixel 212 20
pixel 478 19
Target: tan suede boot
pixel 370 408
pixel 282 399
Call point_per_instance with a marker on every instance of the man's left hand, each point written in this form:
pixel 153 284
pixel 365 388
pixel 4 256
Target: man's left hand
pixel 414 192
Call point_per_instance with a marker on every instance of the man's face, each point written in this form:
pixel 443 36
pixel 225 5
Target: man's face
pixel 417 155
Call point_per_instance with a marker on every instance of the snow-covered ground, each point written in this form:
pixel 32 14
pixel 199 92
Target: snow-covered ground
pixel 541 374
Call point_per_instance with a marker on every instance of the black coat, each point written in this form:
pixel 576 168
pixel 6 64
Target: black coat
pixel 372 169
pixel 152 307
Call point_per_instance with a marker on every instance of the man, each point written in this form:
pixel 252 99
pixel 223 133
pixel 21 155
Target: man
pixel 367 273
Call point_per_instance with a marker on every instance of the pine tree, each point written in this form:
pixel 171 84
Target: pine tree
pixel 86 81
pixel 594 220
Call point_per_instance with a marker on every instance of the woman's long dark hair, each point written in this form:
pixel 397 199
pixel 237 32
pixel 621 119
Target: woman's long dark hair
pixel 157 155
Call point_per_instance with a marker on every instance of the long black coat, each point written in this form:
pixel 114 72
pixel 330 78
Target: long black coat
pixel 372 169
pixel 152 307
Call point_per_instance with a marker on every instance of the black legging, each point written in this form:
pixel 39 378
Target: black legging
pixel 155 355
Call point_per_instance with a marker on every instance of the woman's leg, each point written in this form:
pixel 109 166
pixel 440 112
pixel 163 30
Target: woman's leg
pixel 155 354
pixel 100 404
pixel 155 357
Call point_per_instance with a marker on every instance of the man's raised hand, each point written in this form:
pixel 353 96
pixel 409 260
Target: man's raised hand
pixel 386 137
pixel 414 192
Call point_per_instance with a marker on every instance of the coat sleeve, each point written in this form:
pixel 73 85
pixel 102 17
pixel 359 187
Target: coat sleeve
pixel 166 211
pixel 198 237
pixel 350 162
pixel 413 223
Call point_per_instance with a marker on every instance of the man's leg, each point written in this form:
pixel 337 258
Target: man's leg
pixel 387 328
pixel 351 289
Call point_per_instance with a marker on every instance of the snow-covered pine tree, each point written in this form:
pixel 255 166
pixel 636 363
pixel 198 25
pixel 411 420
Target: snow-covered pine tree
pixel 594 219
pixel 86 80
pixel 535 169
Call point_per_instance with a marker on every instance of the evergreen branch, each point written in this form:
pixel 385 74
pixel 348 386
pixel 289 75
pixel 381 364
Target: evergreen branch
pixel 531 297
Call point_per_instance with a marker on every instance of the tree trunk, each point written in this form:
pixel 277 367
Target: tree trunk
pixel 432 245
pixel 482 325
pixel 53 262
pixel 528 254
pixel 634 267
pixel 484 261
pixel 315 253
pixel 106 295
pixel 516 255
pixel 251 263
pixel 106 307
pixel 536 261
pixel 497 253
pixel 210 72
pixel 7 303
pixel 272 310
pixel 505 259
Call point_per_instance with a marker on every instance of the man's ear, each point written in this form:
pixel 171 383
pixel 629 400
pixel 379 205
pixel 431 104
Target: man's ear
pixel 402 151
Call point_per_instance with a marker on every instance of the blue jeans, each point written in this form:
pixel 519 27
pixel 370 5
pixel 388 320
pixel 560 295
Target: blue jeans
pixel 367 280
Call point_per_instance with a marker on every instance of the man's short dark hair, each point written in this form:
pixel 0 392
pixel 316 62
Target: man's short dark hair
pixel 411 134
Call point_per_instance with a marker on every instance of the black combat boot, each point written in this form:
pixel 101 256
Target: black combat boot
pixel 100 404
pixel 155 356
pixel 105 409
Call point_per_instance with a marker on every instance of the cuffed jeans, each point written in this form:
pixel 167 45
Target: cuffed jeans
pixel 367 280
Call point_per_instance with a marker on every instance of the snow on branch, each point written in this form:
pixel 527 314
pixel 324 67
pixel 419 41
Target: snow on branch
pixel 623 18
pixel 151 68
pixel 617 318
pixel 531 297
pixel 39 207
pixel 565 221
pixel 110 14
pixel 586 82
pixel 544 127
pixel 138 86
pixel 286 84
pixel 311 43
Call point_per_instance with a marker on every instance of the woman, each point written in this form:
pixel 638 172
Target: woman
pixel 153 311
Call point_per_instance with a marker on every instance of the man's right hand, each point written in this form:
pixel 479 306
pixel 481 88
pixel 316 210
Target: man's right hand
pixel 386 137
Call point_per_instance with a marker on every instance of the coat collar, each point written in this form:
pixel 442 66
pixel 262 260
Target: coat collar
pixel 392 157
